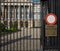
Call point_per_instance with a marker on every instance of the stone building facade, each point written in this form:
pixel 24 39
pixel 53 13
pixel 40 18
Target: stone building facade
pixel 21 13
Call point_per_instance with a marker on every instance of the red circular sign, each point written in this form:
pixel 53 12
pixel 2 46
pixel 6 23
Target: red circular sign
pixel 51 19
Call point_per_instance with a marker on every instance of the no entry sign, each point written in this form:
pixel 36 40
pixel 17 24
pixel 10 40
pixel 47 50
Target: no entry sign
pixel 51 19
pixel 51 26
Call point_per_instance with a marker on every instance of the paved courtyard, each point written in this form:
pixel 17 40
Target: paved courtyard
pixel 28 39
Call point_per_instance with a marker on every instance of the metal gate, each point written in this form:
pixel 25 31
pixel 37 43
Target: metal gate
pixel 21 25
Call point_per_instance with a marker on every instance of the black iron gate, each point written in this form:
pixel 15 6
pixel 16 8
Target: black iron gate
pixel 22 22
pixel 51 42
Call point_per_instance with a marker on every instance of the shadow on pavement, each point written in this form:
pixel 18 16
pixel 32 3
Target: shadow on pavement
pixel 15 40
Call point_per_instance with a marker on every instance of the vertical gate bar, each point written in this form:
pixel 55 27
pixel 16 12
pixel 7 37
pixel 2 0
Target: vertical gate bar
pixel 20 26
pixel 20 22
pixel 17 24
pixel 26 28
pixel 25 25
pixel 40 22
pixel 4 32
pixel 29 23
pixel 15 44
pixel 16 32
pixel 7 24
pixel 56 43
pixel 9 47
pixel 41 25
pixel 10 20
pixel 30 17
pixel 35 21
pixel 16 7
pixel 33 26
pixel 13 7
pixel 0 22
pixel 9 15
pixel 3 22
pixel 0 10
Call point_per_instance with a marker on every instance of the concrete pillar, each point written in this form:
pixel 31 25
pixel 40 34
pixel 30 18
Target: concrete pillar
pixel 30 21
pixel 32 15
pixel 19 17
pixel 8 17
pixel 24 18
pixel 15 13
pixel 2 21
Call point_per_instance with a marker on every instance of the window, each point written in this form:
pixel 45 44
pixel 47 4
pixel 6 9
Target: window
pixel 36 16
pixel 36 9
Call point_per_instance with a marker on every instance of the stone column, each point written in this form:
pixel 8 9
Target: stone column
pixel 32 15
pixel 29 21
pixel 8 17
pixel 15 13
pixel 24 17
pixel 2 14
pixel 19 17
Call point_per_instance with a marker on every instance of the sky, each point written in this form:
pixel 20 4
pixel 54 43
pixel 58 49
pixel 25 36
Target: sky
pixel 36 0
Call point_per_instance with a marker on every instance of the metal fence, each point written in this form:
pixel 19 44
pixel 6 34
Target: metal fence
pixel 22 24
